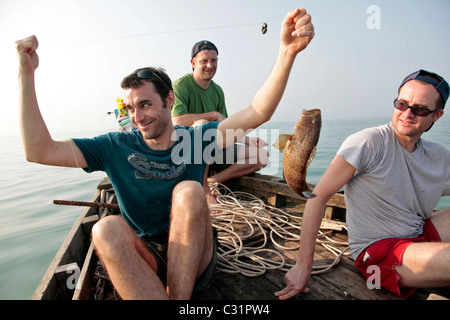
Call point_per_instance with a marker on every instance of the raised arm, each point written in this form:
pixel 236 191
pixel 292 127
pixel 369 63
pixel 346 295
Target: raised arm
pixel 297 32
pixel 188 119
pixel 38 143
pixel 336 176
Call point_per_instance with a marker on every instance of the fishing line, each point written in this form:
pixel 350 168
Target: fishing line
pixel 155 34
pixel 83 178
pixel 83 181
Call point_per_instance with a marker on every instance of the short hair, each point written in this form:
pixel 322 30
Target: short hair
pixel 161 81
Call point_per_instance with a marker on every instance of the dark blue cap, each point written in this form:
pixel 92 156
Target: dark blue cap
pixel 203 45
pixel 432 78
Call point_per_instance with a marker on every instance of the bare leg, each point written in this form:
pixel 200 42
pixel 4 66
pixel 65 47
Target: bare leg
pixel 441 221
pixel 190 239
pixel 249 160
pixel 130 265
pixel 209 196
pixel 427 264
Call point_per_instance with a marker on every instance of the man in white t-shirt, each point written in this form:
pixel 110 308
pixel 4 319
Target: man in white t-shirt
pixel 393 180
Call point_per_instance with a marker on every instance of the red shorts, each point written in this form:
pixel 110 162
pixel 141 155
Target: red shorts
pixel 387 254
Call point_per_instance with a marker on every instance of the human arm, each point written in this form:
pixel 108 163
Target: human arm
pixel 38 144
pixel 336 176
pixel 296 33
pixel 189 118
pixel 192 105
pixel 253 142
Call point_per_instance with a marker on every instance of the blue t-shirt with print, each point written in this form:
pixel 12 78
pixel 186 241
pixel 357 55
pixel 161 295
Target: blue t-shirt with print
pixel 144 179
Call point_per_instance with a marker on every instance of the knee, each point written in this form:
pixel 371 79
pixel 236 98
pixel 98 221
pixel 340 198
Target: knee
pixel 107 231
pixel 187 191
pixel 263 157
pixel 199 122
pixel 441 221
pixel 259 157
pixel 188 196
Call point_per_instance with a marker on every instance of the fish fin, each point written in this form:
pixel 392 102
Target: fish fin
pixel 282 139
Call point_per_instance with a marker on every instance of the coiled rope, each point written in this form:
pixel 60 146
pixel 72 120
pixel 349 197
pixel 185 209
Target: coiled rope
pixel 246 227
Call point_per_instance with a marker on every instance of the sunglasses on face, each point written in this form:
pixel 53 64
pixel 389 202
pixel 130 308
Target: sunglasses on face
pixel 416 110
pixel 149 74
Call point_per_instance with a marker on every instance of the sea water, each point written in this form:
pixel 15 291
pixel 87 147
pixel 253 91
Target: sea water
pixel 32 228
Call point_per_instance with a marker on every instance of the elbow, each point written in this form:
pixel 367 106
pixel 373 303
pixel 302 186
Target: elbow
pixel 175 122
pixel 264 118
pixel 34 155
pixel 38 150
pixel 179 121
pixel 260 118
pixel 30 157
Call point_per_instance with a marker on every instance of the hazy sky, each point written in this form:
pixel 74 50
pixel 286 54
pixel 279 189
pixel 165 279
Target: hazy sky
pixel 351 69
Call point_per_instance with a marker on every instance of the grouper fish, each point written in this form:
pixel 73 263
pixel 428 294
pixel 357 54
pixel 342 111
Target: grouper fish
pixel 299 149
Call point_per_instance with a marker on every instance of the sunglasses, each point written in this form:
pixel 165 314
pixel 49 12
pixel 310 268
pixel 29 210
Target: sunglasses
pixel 149 74
pixel 416 110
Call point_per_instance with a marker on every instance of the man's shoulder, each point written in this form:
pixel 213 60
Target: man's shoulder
pixel 368 143
pixel 215 85
pixel 115 137
pixel 183 81
pixel 435 148
pixel 369 134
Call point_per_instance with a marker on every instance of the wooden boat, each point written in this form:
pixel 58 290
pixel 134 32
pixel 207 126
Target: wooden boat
pixel 76 260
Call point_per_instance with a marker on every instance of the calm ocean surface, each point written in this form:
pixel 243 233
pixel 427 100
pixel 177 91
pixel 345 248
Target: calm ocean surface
pixel 32 228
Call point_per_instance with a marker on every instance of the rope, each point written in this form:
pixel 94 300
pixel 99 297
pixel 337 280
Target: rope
pixel 246 226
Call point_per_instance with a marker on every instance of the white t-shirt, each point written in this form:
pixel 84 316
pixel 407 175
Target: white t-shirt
pixel 393 191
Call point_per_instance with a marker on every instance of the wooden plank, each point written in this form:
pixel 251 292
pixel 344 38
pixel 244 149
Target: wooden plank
pixel 88 223
pixel 319 288
pixel 354 285
pixel 82 290
pixel 211 293
pixel 104 184
pixel 66 278
pixel 435 296
pixel 48 288
pixel 260 183
pixel 245 288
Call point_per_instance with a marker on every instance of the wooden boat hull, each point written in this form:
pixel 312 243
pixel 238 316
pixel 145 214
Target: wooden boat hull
pixel 76 259
pixel 70 273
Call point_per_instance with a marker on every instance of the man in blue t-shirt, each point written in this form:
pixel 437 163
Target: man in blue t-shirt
pixel 157 171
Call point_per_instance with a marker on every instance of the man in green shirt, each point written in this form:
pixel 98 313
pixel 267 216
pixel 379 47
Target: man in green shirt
pixel 198 100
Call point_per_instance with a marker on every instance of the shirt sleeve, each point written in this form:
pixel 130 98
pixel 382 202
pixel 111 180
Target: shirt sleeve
pixel 222 106
pixel 361 150
pixel 447 180
pixel 209 134
pixel 180 107
pixel 95 150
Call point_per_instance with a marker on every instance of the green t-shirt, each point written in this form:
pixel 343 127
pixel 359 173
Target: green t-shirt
pixel 191 98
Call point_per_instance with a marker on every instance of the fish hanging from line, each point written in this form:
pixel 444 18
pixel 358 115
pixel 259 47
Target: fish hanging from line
pixel 299 149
